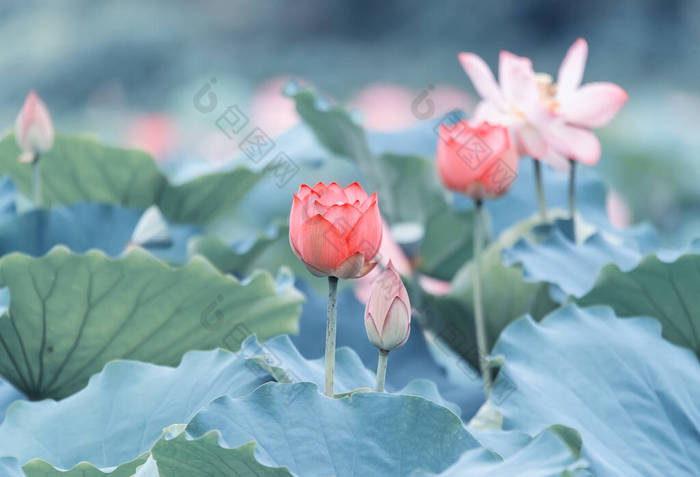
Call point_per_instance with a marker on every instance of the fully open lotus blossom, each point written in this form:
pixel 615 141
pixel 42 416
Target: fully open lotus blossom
pixel 477 161
pixel 336 232
pixel 515 103
pixel 550 122
pixel 388 311
pixel 33 128
pixel 580 107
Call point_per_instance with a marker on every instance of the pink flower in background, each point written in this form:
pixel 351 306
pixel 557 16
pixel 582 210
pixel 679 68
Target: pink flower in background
pixel 515 103
pixel 33 128
pixel 385 107
pixel 334 231
pixel 592 105
pixel 550 122
pixel 154 133
pixel 271 110
pixel 618 211
pixel 476 161
pixel 388 311
pixel 581 107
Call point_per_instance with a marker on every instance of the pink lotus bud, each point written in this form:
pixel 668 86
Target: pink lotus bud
pixel 388 311
pixel 33 128
pixel 336 232
pixel 476 161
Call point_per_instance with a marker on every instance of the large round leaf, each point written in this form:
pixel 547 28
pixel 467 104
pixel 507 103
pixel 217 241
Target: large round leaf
pixel 125 407
pixel 118 417
pixel 630 393
pixel 666 291
pixel 363 434
pixel 550 454
pixel 123 410
pixel 78 170
pixel 203 457
pixel 70 314
pixel 82 170
pixel 571 266
pixel 175 457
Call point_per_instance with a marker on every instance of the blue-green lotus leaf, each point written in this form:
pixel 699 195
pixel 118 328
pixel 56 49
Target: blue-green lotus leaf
pixel 362 434
pixel 123 410
pixel 631 394
pixel 86 226
pixel 72 313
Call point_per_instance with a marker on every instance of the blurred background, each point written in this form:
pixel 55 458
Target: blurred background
pixel 127 71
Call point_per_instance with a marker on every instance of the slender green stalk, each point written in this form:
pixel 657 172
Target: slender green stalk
pixel 36 182
pixel 481 340
pixel 330 334
pixel 381 369
pixel 572 196
pixel 540 190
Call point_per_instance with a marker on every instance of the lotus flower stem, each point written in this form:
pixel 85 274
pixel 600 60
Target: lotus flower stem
pixel 381 369
pixel 572 197
pixel 481 340
pixel 330 334
pixel 36 182
pixel 540 190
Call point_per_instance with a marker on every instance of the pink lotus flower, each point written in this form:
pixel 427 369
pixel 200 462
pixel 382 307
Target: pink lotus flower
pixel 33 128
pixel 334 231
pixel 385 107
pixel 515 103
pixel 550 122
pixel 476 161
pixel 580 107
pixel 388 311
pixel 592 105
pixel 271 110
pixel 154 133
pixel 619 213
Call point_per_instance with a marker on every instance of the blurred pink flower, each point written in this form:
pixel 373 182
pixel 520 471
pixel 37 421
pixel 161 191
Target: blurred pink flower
pixel 477 161
pixel 550 122
pixel 581 107
pixel 33 128
pixel 385 107
pixel 273 112
pixel 592 105
pixel 154 133
pixel 515 103
pixel 618 211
